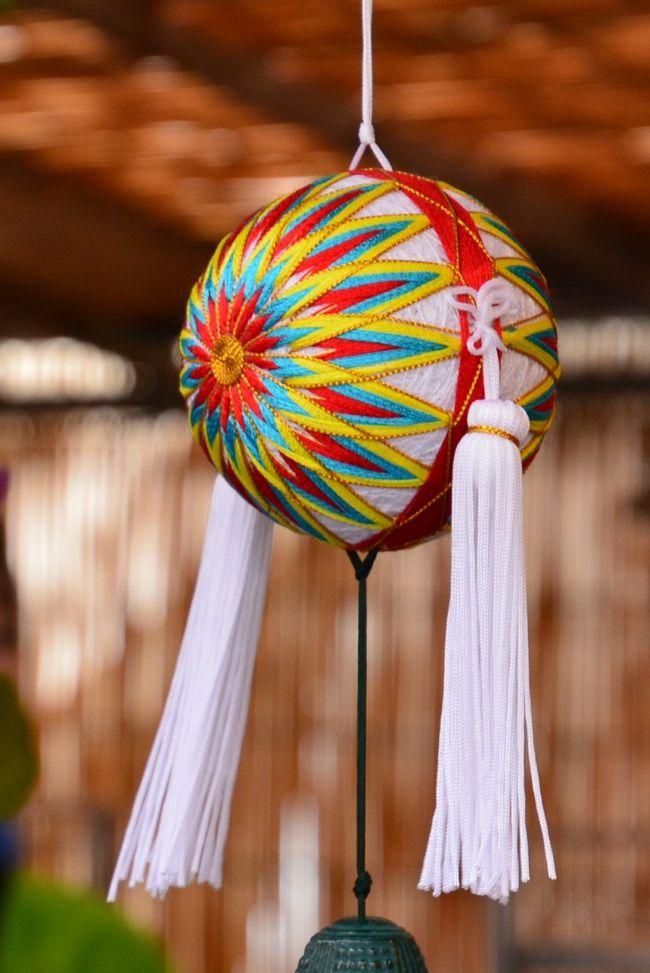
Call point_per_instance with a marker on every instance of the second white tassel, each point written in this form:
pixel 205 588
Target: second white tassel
pixel 478 837
pixel 181 814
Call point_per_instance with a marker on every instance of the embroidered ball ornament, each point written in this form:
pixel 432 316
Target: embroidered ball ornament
pixel 328 365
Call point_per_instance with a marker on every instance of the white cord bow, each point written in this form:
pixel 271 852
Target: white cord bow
pixel 491 302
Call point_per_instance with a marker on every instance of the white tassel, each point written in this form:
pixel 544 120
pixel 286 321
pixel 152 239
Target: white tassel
pixel 478 837
pixel 180 818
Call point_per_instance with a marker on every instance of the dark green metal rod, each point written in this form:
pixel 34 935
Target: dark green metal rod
pixel 363 883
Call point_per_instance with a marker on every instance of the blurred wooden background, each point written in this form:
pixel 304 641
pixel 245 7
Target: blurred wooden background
pixel 133 134
pixel 105 521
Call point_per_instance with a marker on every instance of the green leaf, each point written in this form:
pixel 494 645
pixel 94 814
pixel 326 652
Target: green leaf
pixel 46 928
pixel 18 754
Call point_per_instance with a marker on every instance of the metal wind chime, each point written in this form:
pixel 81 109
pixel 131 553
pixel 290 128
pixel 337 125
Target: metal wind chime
pixel 370 360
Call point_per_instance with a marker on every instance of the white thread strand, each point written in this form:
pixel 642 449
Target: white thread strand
pixel 478 837
pixel 366 130
pixel 180 817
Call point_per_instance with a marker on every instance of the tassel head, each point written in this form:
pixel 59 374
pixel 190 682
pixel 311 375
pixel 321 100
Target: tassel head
pixel 498 417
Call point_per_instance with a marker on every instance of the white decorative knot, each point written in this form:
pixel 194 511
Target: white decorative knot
pixel 366 133
pixel 485 306
pixel 491 302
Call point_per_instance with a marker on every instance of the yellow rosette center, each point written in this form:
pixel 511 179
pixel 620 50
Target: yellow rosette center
pixel 227 360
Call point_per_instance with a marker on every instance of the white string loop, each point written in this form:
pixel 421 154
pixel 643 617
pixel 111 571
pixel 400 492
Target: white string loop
pixel 366 131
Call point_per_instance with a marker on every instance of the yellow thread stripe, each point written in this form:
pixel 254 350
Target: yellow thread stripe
pixel 493 431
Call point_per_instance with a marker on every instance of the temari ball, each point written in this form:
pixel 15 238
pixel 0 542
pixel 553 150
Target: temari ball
pixel 325 361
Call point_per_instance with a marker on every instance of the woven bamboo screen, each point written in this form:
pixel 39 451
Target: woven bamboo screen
pixel 104 526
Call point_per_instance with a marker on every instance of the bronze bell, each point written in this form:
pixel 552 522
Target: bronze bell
pixel 354 944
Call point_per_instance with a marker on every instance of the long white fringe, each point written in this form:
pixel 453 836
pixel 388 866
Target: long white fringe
pixel 478 837
pixel 180 818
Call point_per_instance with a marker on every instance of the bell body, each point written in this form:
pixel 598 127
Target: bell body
pixel 325 359
pixel 362 945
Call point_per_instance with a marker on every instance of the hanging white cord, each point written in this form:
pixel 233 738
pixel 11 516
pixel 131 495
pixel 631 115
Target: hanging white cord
pixel 366 130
